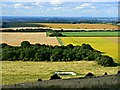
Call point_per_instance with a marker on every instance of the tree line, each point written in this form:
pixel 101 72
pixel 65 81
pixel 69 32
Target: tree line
pixel 38 52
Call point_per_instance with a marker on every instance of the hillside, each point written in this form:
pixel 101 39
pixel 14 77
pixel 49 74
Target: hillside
pixel 109 82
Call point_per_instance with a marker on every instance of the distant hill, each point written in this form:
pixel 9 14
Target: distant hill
pixel 59 19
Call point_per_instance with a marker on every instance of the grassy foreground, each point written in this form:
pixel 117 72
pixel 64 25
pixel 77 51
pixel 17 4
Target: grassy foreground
pixel 19 71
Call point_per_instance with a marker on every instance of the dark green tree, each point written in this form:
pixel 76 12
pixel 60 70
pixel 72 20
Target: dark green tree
pixel 86 46
pixel 105 61
pixel 25 44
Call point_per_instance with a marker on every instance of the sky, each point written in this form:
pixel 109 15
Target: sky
pixel 60 8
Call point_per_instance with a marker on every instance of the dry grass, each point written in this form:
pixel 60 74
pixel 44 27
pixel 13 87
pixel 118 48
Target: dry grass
pixel 109 45
pixel 19 71
pixel 15 39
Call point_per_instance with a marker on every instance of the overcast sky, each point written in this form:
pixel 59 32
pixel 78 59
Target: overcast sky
pixel 60 8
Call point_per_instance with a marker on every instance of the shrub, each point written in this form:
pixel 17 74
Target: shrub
pixel 105 61
pixel 3 45
pixel 118 72
pixel 39 79
pixel 8 55
pixel 89 75
pixel 25 44
pixel 86 46
pixel 55 76
pixel 56 34
pixel 105 73
pixel 70 46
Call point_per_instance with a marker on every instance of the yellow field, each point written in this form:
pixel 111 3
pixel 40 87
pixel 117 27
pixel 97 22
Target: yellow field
pixel 15 39
pixel 109 45
pixel 80 26
pixel 18 71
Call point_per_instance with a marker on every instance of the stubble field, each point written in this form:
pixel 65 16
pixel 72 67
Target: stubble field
pixel 80 26
pixel 15 39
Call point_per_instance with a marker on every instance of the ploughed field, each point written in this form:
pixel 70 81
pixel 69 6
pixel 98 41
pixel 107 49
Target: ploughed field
pixel 109 45
pixel 15 39
pixel 19 71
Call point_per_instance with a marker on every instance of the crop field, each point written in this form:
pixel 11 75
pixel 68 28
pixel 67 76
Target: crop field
pixel 19 71
pixel 16 38
pixel 80 26
pixel 63 25
pixel 109 45
pixel 90 34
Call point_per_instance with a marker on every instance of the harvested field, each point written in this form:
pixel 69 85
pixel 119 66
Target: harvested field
pixel 109 45
pixel 15 39
pixel 80 26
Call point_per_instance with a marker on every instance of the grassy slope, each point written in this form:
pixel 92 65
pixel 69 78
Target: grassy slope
pixel 90 34
pixel 18 71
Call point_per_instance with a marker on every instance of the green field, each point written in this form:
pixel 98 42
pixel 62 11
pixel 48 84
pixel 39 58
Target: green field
pixel 91 34
pixel 19 71
pixel 109 45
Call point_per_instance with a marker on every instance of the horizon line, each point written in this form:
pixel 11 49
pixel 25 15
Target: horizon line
pixel 53 16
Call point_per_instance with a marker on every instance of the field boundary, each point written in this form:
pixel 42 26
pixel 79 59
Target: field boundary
pixel 60 41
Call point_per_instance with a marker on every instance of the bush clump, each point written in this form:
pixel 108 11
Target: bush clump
pixel 25 44
pixel 55 76
pixel 39 79
pixel 3 45
pixel 118 72
pixel 55 34
pixel 89 75
pixel 105 73
pixel 105 61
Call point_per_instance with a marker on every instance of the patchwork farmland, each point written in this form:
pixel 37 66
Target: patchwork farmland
pixel 27 72
pixel 16 38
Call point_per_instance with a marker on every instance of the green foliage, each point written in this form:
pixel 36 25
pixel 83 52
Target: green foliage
pixel 8 55
pixel 86 46
pixel 55 76
pixel 37 52
pixel 105 61
pixel 3 45
pixel 55 34
pixel 25 44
